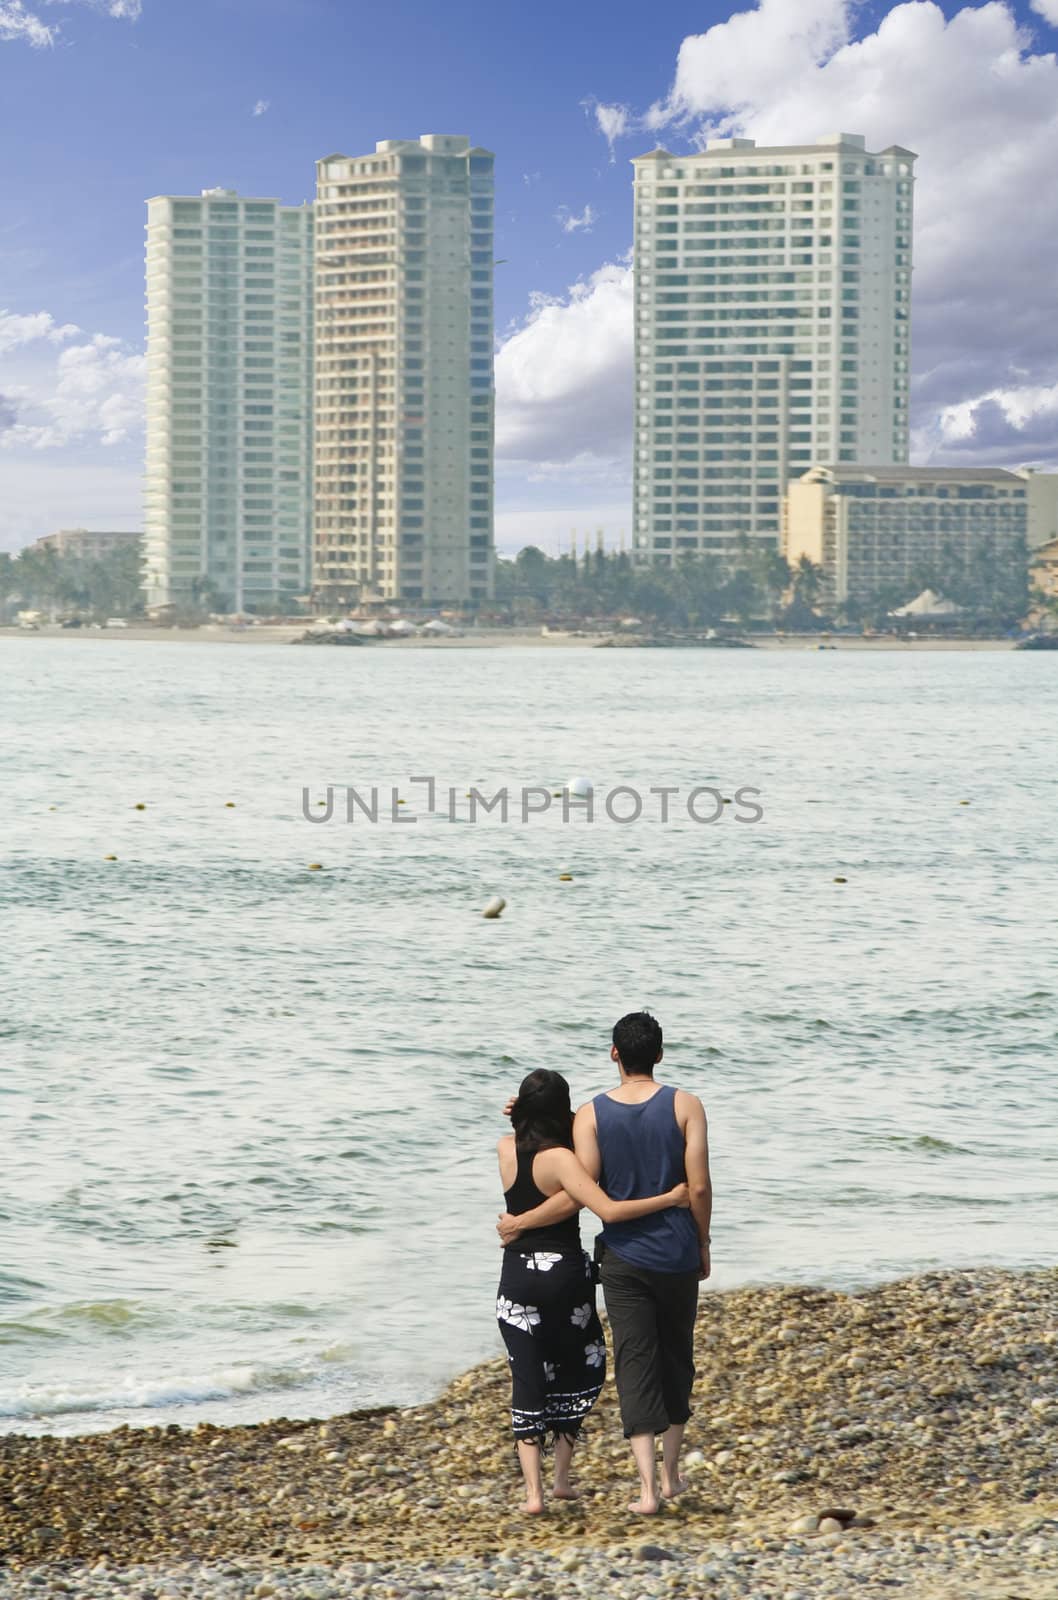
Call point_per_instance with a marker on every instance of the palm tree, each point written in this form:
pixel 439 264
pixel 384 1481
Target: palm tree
pixel 207 597
pixel 807 582
pixel 8 576
pixel 741 596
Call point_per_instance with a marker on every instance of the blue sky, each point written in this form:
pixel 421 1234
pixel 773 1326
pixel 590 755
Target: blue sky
pixel 104 102
pixel 112 114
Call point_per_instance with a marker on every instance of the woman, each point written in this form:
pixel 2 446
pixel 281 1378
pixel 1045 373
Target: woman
pixel 546 1299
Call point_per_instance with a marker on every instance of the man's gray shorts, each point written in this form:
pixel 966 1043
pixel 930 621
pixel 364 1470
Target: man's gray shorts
pixel 652 1322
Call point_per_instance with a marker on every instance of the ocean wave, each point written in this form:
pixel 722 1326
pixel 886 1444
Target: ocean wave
pixel 146 1392
pixel 78 1320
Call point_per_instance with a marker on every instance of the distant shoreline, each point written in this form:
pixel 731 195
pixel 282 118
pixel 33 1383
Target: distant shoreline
pixel 485 639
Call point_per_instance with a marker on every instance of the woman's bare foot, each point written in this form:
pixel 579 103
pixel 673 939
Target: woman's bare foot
pixel 644 1508
pixel 669 1491
pixel 566 1491
pixel 529 1456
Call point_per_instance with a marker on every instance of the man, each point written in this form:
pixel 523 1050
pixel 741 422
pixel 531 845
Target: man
pixel 636 1140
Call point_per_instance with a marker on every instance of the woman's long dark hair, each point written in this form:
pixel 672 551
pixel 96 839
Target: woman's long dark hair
pixel 542 1117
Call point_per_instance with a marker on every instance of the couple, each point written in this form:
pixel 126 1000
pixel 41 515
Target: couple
pixel 646 1145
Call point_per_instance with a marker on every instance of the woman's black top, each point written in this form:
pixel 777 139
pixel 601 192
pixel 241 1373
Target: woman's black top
pixel 523 1195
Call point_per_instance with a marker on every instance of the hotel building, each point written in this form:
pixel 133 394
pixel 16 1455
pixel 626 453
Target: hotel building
pixel 772 305
pixel 875 530
pixel 229 401
pixel 404 386
pixel 87 544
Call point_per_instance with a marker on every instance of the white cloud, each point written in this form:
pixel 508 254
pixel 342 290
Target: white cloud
pixel 612 121
pixel 564 378
pixel 1018 407
pixel 1047 9
pixel 574 222
pixel 100 390
pixel 120 10
pixel 18 23
pixel 260 107
pixel 25 328
pixel 91 391
pixel 756 57
pixel 976 96
pixel 979 102
pixel 1017 425
pixel 71 400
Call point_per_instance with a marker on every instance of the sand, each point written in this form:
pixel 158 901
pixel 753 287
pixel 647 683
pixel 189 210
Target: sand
pixel 479 639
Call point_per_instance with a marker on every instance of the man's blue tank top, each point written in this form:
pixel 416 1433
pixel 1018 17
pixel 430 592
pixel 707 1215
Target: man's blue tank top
pixel 642 1154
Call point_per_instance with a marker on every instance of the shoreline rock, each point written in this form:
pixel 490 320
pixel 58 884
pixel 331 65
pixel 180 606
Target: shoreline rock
pixel 917 1411
pixel 337 636
pixel 674 641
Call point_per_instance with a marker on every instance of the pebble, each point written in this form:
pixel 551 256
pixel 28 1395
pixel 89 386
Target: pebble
pixel 909 1406
pixel 941 1566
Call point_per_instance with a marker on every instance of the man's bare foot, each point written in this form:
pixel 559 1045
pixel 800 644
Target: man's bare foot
pixel 669 1491
pixel 566 1491
pixel 533 1507
pixel 644 1508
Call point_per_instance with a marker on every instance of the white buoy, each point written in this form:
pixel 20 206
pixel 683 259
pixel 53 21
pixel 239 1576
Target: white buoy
pixel 494 907
pixel 581 787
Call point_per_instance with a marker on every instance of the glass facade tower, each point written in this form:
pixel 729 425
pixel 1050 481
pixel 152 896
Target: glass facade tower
pixel 229 401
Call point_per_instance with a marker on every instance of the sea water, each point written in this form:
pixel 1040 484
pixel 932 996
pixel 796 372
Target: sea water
pixel 250 1109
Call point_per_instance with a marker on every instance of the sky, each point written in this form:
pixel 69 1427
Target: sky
pixel 106 102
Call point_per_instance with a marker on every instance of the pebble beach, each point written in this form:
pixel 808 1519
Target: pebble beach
pixel 902 1439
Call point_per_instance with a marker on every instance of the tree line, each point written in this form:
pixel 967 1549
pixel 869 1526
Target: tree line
pixel 751 586
pixel 43 579
pixel 697 591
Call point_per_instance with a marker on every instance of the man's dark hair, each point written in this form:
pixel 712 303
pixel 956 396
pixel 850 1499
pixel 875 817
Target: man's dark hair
pixel 637 1039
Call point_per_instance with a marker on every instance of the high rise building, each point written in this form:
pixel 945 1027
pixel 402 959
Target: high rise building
pixel 229 401
pixel 873 531
pixel 772 303
pixel 404 387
